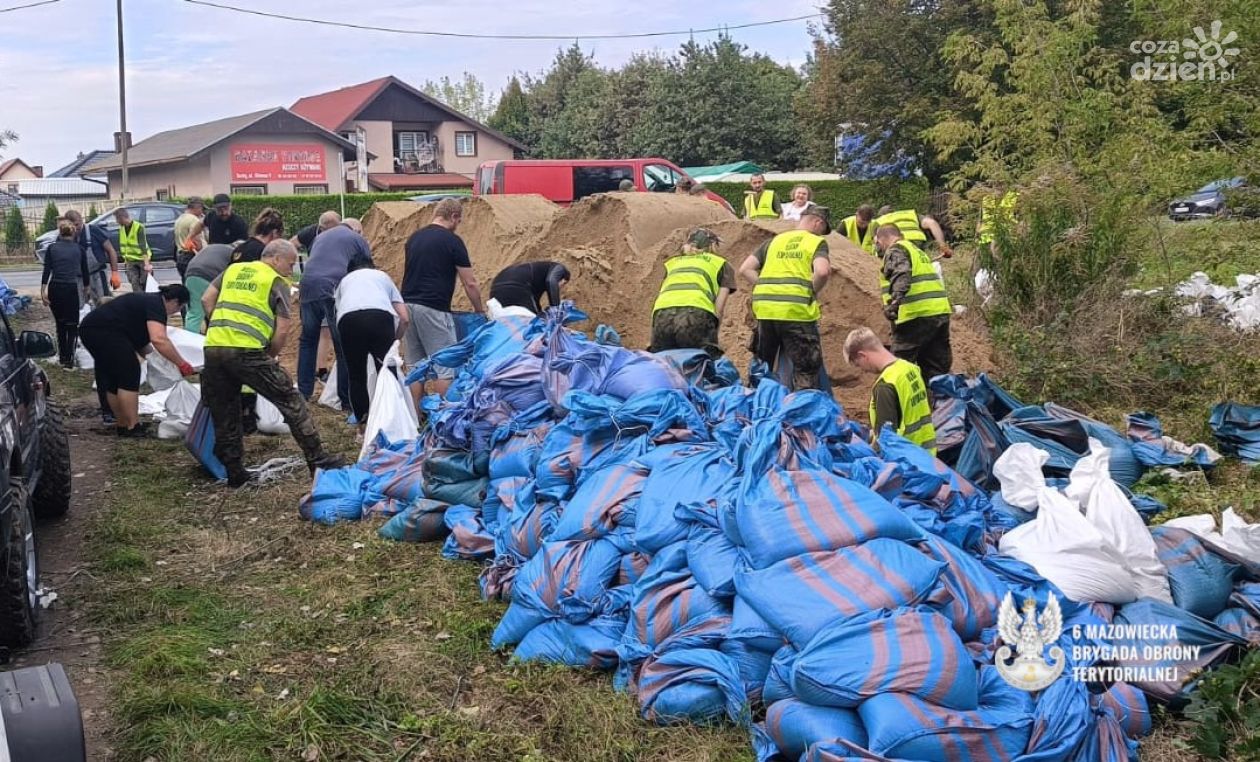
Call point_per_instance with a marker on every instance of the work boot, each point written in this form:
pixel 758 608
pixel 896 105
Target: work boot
pixel 238 477
pixel 327 463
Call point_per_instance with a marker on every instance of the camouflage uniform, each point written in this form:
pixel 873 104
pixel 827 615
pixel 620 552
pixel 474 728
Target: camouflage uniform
pixel 685 328
pixel 797 341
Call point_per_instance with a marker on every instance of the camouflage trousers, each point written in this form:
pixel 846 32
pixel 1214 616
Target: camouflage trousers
pixel 226 371
pixel 798 342
pixel 685 328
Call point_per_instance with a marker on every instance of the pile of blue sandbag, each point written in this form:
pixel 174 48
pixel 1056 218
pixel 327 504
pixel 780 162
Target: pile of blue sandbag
pixel 741 554
pixel 11 301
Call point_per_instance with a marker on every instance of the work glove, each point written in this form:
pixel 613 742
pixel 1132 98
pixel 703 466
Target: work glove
pixel 890 312
pixel 114 280
pixel 185 369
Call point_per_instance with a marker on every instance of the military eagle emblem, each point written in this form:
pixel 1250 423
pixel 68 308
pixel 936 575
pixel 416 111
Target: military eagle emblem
pixel 1029 670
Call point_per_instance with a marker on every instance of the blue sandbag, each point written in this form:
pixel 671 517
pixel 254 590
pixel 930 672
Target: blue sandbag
pixel 786 513
pixel 779 678
pixel 1124 466
pixel 1147 436
pixel 969 594
pixel 748 626
pixel 469 539
pixel 1240 622
pixel 500 501
pixel 907 650
pixel 566 580
pixel 605 500
pixel 713 559
pixel 692 684
pixel 667 600
pixel 421 521
pixel 1215 645
pixel 1201 581
pixel 592 645
pixel 753 665
pixel 1237 430
pixel 906 727
pixel 1130 708
pixel 1062 719
pixel 467 323
pixel 803 594
pixel 336 495
pixel 695 473
pixel 471 493
pixel 200 442
pixel 795 726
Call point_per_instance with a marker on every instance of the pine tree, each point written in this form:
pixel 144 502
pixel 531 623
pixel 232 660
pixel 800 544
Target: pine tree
pixel 15 233
pixel 512 116
pixel 50 218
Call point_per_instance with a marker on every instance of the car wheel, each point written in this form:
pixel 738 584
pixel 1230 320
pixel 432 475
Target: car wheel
pixel 52 494
pixel 21 571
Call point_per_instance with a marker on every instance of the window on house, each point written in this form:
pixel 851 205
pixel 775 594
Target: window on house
pixel 249 190
pixel 310 190
pixel 465 144
pixel 161 194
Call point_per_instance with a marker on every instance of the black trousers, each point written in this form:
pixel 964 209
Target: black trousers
pixel 364 333
pixel 63 300
pixel 925 342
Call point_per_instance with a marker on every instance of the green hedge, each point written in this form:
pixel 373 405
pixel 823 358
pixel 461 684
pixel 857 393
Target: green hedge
pixel 840 196
pixel 299 211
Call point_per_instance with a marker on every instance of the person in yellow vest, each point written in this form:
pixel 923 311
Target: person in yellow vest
pixel 247 311
pixel 133 245
pixel 858 229
pixel 688 309
pixel 915 303
pixel 759 203
pixel 900 396
pixel 914 228
pixel 787 274
pixel 995 211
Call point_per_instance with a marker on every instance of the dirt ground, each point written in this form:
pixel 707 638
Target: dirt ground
pixel 615 245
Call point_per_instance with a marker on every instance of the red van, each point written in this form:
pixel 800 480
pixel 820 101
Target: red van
pixel 567 180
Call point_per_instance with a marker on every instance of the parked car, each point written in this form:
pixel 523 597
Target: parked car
pixel 567 180
pixel 1208 201
pixel 35 455
pixel 159 227
pixel 431 198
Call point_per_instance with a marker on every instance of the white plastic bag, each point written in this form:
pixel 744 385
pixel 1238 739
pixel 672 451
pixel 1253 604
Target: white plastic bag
pixel 392 412
pixel 1107 508
pixel 151 286
pixel 1236 535
pixel 392 357
pixel 1019 471
pixel 162 373
pixel 328 397
pixel 83 358
pixel 155 404
pixel 177 414
pixel 1065 548
pixel 270 420
pixel 494 311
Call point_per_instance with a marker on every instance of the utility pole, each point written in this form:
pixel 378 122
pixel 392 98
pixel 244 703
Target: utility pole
pixel 123 136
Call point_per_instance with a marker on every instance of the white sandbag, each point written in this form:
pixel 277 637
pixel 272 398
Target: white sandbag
pixel 391 414
pixel 392 357
pixel 494 311
pixel 1107 508
pixel 1019 471
pixel 181 403
pixel 984 286
pixel 83 358
pixel 1236 535
pixel 162 373
pixel 151 286
pixel 155 404
pixel 328 397
pixel 270 420
pixel 1067 549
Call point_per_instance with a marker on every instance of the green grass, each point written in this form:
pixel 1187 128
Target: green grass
pixel 1176 250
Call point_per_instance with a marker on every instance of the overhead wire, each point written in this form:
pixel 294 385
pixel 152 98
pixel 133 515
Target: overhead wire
pixel 485 36
pixel 28 5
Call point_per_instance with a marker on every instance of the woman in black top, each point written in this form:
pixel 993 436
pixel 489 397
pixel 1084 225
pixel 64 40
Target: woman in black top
pixel 118 333
pixel 65 278
pixel 267 227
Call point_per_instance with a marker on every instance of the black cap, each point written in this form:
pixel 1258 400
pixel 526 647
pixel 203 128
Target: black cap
pixel 821 212
pixel 703 238
pixel 195 201
pixel 222 199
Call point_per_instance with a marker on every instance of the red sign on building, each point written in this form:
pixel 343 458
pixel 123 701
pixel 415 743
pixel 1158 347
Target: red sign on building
pixel 278 162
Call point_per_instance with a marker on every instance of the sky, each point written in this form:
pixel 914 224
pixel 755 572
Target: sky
pixel 188 64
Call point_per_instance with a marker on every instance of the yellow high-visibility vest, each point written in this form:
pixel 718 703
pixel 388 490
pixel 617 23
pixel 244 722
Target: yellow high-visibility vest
pixel 760 206
pixel 865 240
pixel 243 317
pixel 926 297
pixel 991 209
pixel 916 411
pixel 906 220
pixel 129 242
pixel 785 286
pixel 691 280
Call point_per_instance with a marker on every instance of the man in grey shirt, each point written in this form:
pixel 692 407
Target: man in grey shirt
pixel 329 261
pixel 202 270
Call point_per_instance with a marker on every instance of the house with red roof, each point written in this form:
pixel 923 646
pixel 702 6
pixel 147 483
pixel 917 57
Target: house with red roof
pixel 408 140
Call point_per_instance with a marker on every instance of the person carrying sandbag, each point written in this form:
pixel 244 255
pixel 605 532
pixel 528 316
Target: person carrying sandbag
pixel 248 312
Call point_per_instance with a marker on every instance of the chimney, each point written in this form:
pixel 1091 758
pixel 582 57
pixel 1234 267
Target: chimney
pixel 38 170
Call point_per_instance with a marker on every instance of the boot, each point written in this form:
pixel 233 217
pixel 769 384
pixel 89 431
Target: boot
pixel 238 477
pixel 327 463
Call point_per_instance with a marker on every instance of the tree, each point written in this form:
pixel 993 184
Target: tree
pixel 16 236
pixel 549 134
pixel 7 137
pixel 512 115
pixel 467 96
pixel 50 218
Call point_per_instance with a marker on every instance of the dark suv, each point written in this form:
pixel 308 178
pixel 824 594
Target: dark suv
pixel 35 455
pixel 159 227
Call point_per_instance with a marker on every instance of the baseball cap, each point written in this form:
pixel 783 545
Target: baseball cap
pixel 703 238
pixel 821 212
pixel 222 199
pixel 195 201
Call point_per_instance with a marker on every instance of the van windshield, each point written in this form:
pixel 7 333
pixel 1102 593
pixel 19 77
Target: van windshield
pixel 660 179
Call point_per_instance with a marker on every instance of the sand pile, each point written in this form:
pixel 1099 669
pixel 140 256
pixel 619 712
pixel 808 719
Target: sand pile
pixel 616 244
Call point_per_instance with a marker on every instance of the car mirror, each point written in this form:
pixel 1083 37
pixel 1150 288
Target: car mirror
pixel 36 344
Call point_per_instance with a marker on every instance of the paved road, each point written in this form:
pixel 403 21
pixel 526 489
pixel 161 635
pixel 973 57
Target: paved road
pixel 27 281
